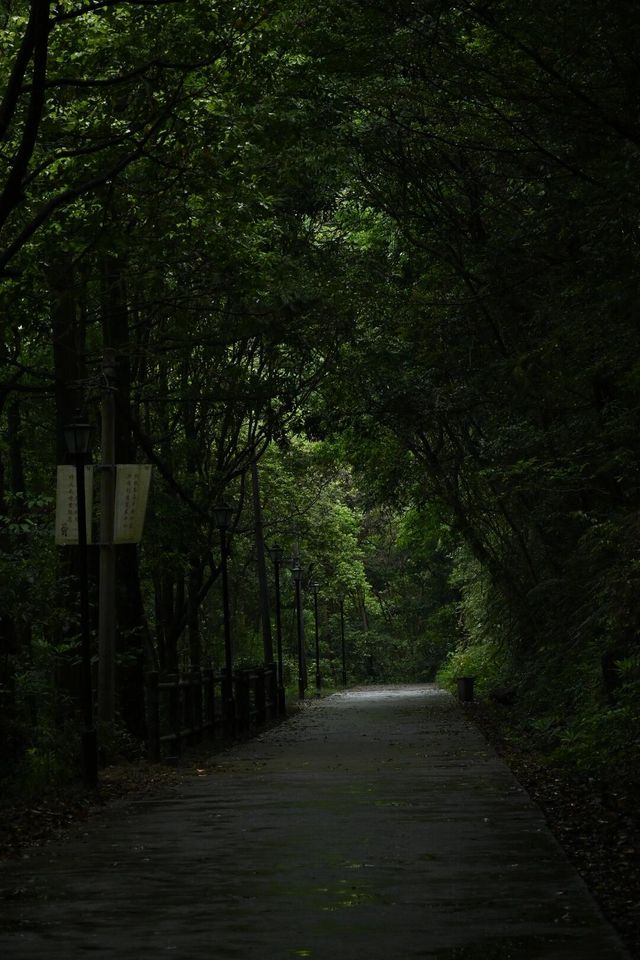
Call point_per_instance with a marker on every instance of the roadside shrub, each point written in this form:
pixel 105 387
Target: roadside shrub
pixel 486 661
pixel 603 739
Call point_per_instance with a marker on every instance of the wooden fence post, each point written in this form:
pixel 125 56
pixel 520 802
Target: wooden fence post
pixel 197 680
pixel 153 717
pixel 175 712
pixel 261 697
pixel 187 693
pixel 272 691
pixel 217 705
pixel 207 700
pixel 243 699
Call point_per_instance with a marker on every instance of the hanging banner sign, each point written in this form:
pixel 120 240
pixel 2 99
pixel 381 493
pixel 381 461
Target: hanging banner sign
pixel 67 504
pixel 132 490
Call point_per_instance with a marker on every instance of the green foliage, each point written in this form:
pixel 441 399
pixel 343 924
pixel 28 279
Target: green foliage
pixel 417 308
pixel 41 769
pixel 485 661
pixel 600 743
pixel 440 636
pixel 40 738
pixel 596 734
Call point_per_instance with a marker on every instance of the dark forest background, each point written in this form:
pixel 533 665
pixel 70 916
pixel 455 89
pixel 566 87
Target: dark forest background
pixel 389 252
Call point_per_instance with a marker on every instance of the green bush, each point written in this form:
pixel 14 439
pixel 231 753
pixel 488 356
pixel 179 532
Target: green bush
pixel 604 738
pixel 485 661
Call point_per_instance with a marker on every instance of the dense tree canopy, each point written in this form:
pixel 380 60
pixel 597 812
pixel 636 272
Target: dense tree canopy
pixel 388 251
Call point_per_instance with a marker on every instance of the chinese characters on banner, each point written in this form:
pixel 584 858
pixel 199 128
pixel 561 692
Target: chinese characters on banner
pixel 132 489
pixel 67 504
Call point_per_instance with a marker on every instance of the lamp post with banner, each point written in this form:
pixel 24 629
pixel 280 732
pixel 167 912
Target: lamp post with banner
pixel 78 438
pixel 315 586
pixel 122 513
pixel 222 514
pixel 344 658
pixel 276 554
pixel 296 571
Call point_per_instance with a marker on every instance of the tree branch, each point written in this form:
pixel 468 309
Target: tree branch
pixel 72 193
pixel 12 92
pixel 12 193
pixel 102 4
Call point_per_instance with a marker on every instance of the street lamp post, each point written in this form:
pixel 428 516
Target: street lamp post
pixel 296 570
pixel 222 514
pixel 344 660
pixel 276 553
pixel 315 587
pixel 77 437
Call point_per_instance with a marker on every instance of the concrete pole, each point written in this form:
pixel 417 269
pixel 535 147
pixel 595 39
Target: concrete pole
pixel 228 700
pixel 265 613
pixel 89 739
pixel 107 589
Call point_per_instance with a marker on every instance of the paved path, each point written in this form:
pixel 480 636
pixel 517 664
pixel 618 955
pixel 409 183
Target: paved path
pixel 378 825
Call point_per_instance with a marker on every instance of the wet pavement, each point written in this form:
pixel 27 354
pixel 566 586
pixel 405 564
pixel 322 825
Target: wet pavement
pixel 377 824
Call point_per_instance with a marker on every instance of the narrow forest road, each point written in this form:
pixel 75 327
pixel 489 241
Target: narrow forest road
pixel 378 824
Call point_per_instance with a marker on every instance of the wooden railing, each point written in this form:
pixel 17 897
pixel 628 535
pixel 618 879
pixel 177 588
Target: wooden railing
pixel 256 697
pixel 183 709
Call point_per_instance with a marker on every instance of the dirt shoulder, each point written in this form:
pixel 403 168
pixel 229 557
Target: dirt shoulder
pixel 597 826
pixel 32 822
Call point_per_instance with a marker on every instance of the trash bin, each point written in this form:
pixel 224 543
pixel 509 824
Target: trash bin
pixel 465 689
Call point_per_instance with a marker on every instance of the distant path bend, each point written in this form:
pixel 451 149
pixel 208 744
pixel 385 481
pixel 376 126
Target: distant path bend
pixel 378 824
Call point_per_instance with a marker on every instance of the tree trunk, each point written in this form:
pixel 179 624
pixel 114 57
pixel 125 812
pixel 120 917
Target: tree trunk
pixel 69 370
pixel 265 613
pixel 193 612
pixel 132 632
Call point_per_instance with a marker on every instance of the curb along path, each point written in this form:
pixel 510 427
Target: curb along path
pixel 378 823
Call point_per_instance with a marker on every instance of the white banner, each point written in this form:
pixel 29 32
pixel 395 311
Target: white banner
pixel 132 490
pixel 67 504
